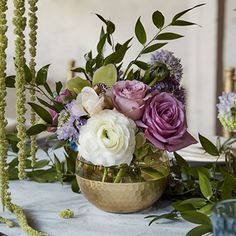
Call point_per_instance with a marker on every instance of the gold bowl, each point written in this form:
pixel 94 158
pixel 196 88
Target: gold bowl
pixel 122 197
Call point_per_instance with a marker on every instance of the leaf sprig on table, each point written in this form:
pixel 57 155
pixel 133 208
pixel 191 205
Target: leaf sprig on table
pixel 195 189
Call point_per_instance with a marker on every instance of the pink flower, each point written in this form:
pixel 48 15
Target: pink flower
pixel 63 96
pixel 129 98
pixel 54 116
pixel 165 123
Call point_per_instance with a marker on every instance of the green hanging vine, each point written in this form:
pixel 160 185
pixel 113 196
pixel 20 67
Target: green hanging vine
pixel 5 196
pixel 20 23
pixel 32 50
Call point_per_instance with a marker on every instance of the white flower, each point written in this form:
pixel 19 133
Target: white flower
pixel 107 139
pixel 91 102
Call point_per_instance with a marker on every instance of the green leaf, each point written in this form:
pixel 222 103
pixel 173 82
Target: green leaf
pixel 41 163
pixel 140 32
pixel 195 202
pixel 151 173
pixel 46 86
pixel 46 104
pixel 101 43
pixel 196 217
pixel 178 15
pixel 43 113
pixel 205 185
pixel 42 74
pixel 10 81
pixel 169 36
pixel 36 129
pixel 200 230
pixel 208 146
pixel 101 18
pixel 74 186
pixel 180 160
pixel 182 23
pixel 153 47
pixel 28 74
pixel 106 75
pixel 43 176
pixel 77 84
pixel 158 19
pixel 229 185
pixel 58 87
pixel 168 216
pixel 110 27
pixel 79 70
pixel 207 209
pixel 117 56
pixel 141 64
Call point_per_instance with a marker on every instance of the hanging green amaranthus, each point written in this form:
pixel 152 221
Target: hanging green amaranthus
pixel 32 50
pixel 20 23
pixel 5 196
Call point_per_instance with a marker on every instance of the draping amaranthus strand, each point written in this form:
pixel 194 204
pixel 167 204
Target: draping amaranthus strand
pixel 20 23
pixel 33 43
pixel 5 196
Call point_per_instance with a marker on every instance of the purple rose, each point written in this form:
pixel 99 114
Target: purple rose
pixel 129 98
pixel 165 123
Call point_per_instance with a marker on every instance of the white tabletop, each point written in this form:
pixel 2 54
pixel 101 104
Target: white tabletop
pixel 43 202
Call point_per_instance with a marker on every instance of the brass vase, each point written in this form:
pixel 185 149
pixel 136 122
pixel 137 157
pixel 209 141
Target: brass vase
pixel 132 195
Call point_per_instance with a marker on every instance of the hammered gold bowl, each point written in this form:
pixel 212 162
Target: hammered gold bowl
pixel 122 197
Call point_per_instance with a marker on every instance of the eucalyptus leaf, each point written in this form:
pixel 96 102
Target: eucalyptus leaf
pixel 42 74
pixel 43 176
pixel 200 230
pixel 41 164
pixel 36 129
pixel 77 84
pixel 44 114
pixel 158 19
pixel 106 75
pixel 208 146
pixel 153 47
pixel 168 36
pixel 140 32
pixel 205 185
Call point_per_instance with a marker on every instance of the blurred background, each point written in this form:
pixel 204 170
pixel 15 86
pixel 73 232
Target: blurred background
pixel 69 28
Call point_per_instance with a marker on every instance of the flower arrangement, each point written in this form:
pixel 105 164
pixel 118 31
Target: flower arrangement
pixel 116 116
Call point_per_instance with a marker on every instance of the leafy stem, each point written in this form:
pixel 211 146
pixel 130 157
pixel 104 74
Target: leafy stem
pixel 143 49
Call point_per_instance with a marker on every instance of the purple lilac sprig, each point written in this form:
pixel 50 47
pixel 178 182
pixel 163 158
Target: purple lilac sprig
pixel 172 63
pixel 69 124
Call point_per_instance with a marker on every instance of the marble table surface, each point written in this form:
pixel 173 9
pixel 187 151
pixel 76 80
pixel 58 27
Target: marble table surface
pixel 43 202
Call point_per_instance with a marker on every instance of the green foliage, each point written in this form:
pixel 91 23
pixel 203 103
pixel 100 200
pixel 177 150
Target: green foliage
pixel 158 19
pixel 195 189
pixel 41 76
pixel 140 32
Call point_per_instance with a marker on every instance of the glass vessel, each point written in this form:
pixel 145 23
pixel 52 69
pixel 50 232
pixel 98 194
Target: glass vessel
pixel 224 218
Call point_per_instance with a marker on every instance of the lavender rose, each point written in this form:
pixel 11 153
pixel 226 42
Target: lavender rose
pixel 129 98
pixel 165 123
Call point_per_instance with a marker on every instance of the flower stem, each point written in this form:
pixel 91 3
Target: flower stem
pixel 120 175
pixel 105 172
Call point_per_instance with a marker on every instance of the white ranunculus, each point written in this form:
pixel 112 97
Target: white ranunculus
pixel 107 139
pixel 91 102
